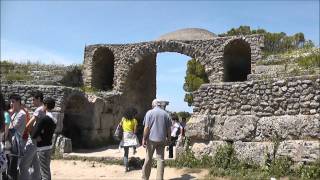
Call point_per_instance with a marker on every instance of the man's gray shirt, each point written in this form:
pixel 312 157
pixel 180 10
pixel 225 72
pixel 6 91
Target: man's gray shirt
pixel 159 123
pixel 18 121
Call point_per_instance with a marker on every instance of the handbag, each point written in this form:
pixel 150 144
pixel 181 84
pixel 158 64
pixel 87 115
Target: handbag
pixel 118 134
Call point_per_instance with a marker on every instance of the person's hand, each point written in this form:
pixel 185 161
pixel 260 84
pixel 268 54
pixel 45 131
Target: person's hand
pixel 144 143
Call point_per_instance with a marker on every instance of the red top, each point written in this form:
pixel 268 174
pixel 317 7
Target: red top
pixel 26 130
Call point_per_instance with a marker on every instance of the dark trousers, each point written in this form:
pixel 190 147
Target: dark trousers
pixel 12 168
pixel 126 156
pixel 173 143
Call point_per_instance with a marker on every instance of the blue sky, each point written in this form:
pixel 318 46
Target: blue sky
pixel 57 31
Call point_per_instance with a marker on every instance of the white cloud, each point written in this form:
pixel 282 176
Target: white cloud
pixel 19 52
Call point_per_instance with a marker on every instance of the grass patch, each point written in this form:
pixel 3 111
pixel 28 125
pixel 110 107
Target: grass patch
pixel 226 164
pixel 18 76
pixel 309 62
pixel 88 89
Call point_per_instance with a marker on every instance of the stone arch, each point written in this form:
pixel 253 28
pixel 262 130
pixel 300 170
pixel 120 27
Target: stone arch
pixel 139 85
pixel 236 60
pixel 102 69
pixel 77 119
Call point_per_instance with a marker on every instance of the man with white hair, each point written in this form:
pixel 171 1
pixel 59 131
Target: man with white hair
pixel 156 134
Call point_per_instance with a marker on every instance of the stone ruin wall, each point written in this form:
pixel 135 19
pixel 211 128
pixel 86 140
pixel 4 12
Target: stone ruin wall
pixel 134 75
pixel 84 118
pixel 247 114
pixel 253 114
pixel 208 52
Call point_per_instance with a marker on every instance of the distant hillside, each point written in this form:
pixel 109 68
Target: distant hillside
pixel 35 73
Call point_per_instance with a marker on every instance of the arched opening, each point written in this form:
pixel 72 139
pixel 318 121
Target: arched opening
pixel 77 120
pixel 103 69
pixel 171 74
pixel 237 61
pixel 140 87
pixel 160 75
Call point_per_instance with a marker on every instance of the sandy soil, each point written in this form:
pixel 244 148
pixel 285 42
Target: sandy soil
pixel 114 151
pixel 84 170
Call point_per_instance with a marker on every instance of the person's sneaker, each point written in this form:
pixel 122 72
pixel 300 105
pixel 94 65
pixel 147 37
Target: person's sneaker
pixel 126 169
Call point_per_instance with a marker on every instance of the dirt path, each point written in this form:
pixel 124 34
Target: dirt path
pixel 84 170
pixel 114 151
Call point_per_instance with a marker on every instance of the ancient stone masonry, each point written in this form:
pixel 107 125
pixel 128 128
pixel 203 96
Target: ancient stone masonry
pixel 250 106
pixel 85 118
pixel 253 114
pixel 208 52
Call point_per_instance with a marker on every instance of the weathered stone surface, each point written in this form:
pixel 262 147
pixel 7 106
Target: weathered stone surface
pixel 236 99
pixel 300 150
pixel 198 127
pixel 63 144
pixel 235 128
pixel 59 117
pixel 288 127
pixel 210 148
pixel 255 152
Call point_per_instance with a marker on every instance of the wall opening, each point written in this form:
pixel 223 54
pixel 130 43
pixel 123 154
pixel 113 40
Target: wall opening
pixel 103 69
pixel 77 120
pixel 140 88
pixel 237 61
pixel 171 74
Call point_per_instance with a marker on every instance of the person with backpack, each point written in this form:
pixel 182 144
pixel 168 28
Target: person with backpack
pixel 43 132
pixel 175 132
pixel 30 158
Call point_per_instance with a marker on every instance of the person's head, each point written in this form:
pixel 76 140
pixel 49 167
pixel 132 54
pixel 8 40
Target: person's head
pixel 130 113
pixel 37 98
pixel 155 102
pixel 184 119
pixel 49 103
pixel 175 117
pixel 15 102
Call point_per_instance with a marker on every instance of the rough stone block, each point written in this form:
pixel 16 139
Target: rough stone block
pixel 235 128
pixel 300 150
pixel 288 127
pixel 63 144
pixel 210 148
pixel 198 127
pixel 255 152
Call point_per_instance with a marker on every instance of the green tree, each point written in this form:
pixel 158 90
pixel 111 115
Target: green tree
pixel 184 114
pixel 274 42
pixel 195 76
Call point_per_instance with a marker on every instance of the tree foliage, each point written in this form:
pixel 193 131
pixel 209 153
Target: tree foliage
pixel 195 76
pixel 273 42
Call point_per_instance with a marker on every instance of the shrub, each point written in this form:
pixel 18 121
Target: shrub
pixel 280 166
pixel 311 171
